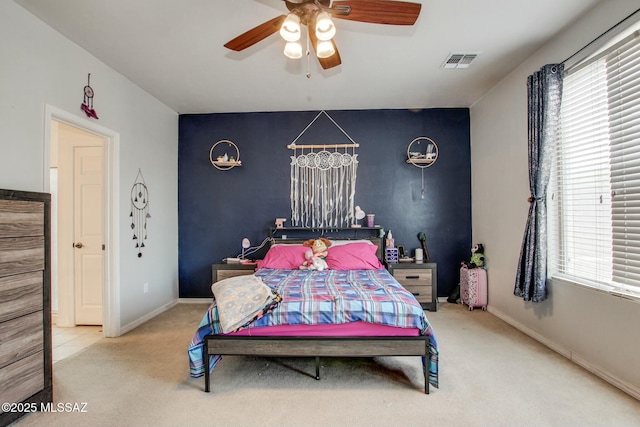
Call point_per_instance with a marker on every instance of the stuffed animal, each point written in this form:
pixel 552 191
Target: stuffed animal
pixel 315 257
pixel 477 256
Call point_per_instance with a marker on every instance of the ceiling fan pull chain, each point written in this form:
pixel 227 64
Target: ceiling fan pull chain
pixel 308 63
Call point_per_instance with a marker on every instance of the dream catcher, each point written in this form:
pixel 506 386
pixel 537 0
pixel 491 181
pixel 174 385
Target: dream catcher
pixel 87 103
pixel 139 211
pixel 323 183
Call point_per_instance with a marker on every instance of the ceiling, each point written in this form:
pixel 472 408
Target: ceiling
pixel 174 50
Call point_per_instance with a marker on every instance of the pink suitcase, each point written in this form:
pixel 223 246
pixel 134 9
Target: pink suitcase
pixel 473 287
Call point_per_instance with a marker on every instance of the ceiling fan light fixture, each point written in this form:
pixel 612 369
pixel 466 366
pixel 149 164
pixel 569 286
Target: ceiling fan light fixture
pixel 290 30
pixel 325 29
pixel 293 50
pixel 325 49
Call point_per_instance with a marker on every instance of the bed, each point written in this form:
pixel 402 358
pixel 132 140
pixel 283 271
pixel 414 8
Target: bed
pixel 355 308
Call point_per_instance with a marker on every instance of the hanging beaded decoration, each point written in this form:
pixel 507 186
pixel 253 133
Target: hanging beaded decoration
pixel 323 183
pixel 139 211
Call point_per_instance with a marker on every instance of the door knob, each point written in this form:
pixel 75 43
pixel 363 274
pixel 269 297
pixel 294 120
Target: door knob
pixel 79 245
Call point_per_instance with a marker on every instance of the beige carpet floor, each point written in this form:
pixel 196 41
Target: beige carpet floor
pixel 490 375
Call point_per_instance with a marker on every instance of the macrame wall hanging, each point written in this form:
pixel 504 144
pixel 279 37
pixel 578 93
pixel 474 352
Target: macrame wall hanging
pixel 323 182
pixel 139 211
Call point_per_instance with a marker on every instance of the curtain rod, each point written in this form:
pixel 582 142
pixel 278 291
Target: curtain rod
pixel 602 35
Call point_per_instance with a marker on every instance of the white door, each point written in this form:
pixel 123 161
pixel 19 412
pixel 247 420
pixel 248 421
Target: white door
pixel 88 234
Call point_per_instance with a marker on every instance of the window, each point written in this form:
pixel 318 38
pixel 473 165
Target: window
pixel 594 191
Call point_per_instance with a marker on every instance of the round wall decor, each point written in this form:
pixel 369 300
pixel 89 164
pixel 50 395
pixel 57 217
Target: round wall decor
pixel 223 160
pixel 422 152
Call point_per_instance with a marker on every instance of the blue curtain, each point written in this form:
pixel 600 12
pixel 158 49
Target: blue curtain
pixel 544 92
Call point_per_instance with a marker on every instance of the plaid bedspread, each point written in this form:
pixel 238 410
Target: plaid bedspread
pixel 328 297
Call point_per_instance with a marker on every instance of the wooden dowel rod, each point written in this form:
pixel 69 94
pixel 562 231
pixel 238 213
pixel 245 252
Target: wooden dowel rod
pixel 295 147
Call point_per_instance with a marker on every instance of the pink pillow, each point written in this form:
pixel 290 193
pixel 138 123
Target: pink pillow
pixel 286 257
pixel 353 256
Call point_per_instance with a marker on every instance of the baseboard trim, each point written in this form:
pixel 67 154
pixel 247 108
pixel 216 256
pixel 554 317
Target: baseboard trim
pixel 132 325
pixel 623 385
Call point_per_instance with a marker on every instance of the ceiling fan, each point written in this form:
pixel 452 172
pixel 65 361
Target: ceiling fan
pixel 316 15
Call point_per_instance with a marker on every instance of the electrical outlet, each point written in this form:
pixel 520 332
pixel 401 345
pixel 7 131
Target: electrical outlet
pixel 145 287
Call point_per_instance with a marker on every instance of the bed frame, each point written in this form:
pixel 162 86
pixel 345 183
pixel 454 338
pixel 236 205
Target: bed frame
pixel 226 345
pixel 277 346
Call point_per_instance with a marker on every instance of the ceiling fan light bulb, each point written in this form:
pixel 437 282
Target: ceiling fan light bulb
pixel 293 50
pixel 325 49
pixel 325 29
pixel 290 30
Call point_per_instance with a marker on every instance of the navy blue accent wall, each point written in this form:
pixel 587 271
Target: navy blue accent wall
pixel 219 208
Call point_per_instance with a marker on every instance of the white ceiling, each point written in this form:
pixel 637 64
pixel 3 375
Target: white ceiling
pixel 174 50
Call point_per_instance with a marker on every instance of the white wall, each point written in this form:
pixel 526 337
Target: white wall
pixel 39 67
pixel 597 330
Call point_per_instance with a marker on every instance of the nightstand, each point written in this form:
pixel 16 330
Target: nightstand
pixel 224 271
pixel 419 279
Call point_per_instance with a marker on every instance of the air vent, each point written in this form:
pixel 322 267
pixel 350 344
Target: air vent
pixel 459 60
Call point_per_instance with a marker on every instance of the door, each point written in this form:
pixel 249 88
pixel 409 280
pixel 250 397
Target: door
pixel 88 234
pixel 80 159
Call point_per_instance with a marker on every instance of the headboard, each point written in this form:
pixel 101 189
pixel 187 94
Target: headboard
pixel 375 240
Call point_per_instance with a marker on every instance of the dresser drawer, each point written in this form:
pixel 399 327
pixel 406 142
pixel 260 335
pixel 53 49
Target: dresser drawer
pixel 22 379
pixel 225 274
pixel 423 293
pixel 410 277
pixel 21 218
pixel 20 294
pixel 21 337
pixel 21 255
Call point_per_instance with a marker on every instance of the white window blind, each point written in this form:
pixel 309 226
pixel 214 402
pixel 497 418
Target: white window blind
pixel 623 77
pixel 594 193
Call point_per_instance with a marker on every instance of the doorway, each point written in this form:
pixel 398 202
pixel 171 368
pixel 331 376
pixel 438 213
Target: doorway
pixel 77 165
pixel 79 173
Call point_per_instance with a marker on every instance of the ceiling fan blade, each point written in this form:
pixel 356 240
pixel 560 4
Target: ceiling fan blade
pixel 256 34
pixel 326 63
pixel 378 11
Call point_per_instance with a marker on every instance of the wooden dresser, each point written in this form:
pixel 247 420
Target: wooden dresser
pixel 421 279
pixel 25 305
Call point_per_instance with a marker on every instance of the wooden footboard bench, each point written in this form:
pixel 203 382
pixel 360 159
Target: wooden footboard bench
pixel 316 347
